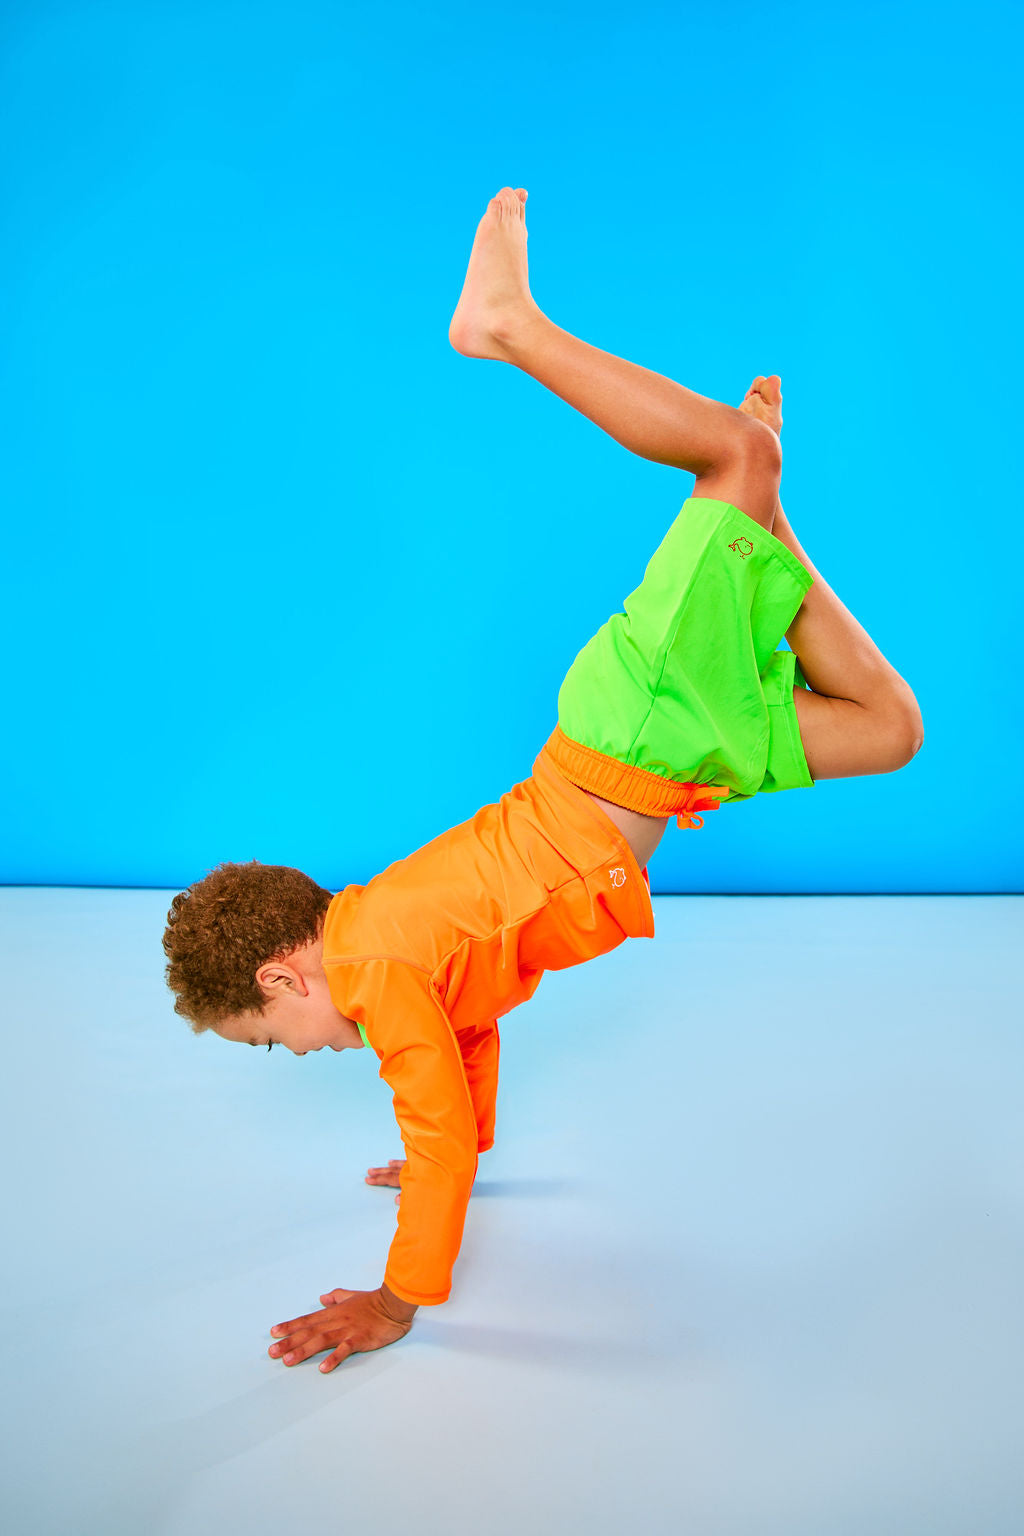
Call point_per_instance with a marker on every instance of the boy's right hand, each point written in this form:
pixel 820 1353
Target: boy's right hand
pixel 387 1176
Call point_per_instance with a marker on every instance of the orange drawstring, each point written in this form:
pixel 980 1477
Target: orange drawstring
pixel 700 797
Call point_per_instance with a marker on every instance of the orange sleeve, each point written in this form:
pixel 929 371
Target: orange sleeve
pixel 422 1064
pixel 480 1052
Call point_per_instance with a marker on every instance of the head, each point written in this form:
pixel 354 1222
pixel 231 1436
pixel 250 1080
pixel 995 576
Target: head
pixel 245 959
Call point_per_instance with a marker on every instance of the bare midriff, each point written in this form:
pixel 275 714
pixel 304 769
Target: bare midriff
pixel 642 833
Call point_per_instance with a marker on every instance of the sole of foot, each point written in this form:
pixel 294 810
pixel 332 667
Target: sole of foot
pixel 763 401
pixel 496 293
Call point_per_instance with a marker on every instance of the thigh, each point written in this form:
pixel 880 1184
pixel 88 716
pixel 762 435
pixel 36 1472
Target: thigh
pixel 842 739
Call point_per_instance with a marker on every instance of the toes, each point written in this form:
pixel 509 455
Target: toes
pixel 769 388
pixel 510 200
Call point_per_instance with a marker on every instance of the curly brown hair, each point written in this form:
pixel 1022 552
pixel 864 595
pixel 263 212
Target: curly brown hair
pixel 222 929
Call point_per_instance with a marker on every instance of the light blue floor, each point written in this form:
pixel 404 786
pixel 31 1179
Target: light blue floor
pixel 747 1259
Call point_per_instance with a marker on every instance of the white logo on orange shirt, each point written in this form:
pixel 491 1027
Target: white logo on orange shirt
pixel 617 876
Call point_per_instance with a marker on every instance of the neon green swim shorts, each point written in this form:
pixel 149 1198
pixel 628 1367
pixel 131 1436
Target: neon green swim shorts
pixel 686 683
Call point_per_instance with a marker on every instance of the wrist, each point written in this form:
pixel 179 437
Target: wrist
pixel 401 1311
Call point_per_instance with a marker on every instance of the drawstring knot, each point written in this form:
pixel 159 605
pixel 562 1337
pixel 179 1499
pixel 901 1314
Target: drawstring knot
pixel 699 797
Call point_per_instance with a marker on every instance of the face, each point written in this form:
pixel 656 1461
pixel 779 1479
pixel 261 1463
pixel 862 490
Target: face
pixel 300 1014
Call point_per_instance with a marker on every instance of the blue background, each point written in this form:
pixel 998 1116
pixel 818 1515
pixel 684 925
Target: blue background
pixel 287 578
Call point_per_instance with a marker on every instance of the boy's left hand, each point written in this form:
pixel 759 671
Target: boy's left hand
pixel 350 1322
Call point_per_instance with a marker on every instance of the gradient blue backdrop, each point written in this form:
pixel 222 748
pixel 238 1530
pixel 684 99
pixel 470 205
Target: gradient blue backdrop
pixel 286 578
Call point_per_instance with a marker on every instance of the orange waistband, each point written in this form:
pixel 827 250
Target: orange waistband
pixel 637 789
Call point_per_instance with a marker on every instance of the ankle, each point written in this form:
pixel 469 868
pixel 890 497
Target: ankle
pixel 515 329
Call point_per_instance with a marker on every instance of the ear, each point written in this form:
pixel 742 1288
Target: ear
pixel 279 976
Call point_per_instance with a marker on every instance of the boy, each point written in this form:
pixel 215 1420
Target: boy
pixel 677 704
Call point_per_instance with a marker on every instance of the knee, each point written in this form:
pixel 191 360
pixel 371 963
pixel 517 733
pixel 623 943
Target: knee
pixel 893 726
pixel 908 733
pixel 908 748
pixel 760 446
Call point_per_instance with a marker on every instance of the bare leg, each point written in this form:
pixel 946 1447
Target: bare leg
pixel 734 457
pixel 838 656
pixel 862 716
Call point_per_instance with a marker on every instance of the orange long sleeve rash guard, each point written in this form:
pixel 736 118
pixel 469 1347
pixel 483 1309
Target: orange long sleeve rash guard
pixel 439 946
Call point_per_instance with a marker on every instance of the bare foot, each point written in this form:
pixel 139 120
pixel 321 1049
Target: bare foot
pixel 763 401
pixel 497 285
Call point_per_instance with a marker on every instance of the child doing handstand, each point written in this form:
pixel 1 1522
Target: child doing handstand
pixel 679 703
